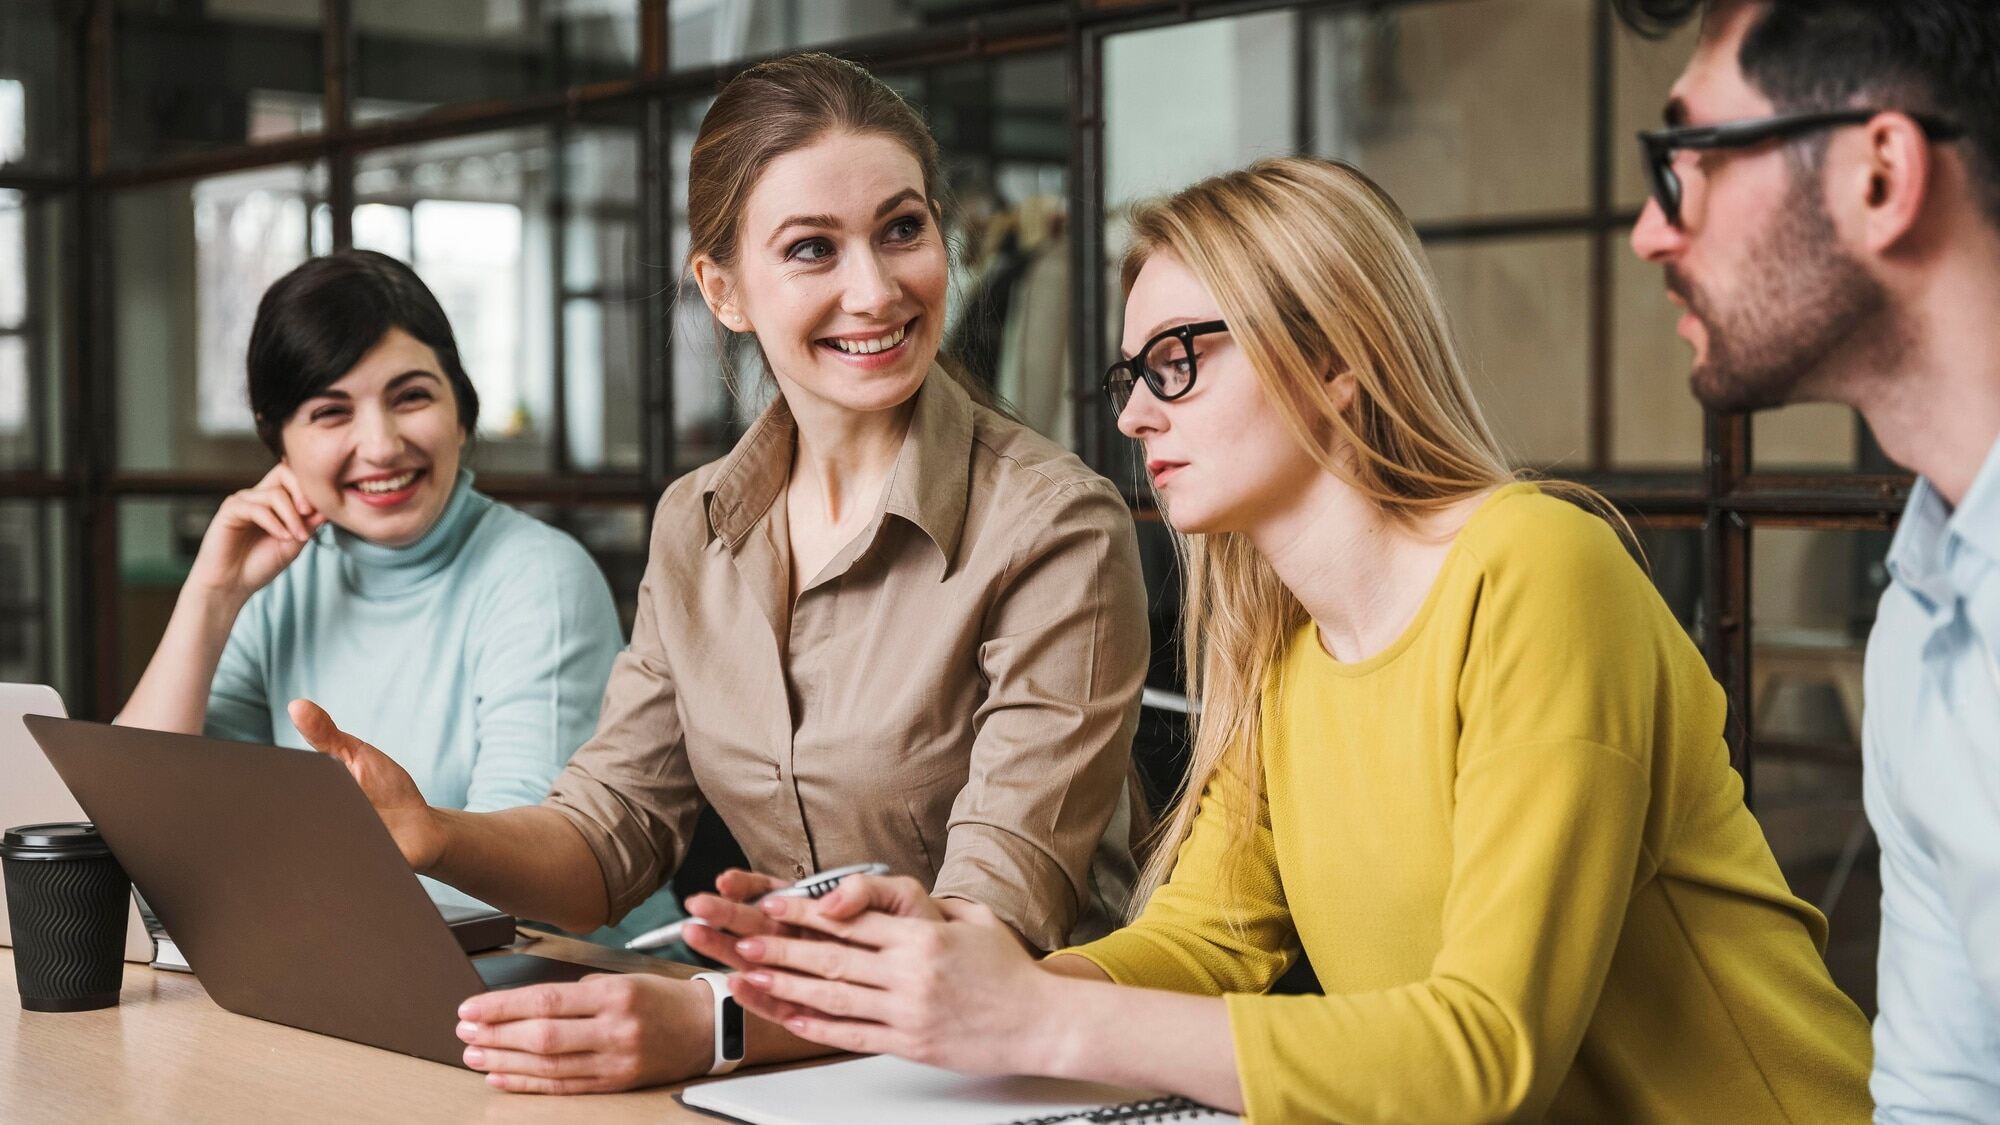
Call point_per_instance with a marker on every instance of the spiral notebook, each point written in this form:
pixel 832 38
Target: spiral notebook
pixel 883 1090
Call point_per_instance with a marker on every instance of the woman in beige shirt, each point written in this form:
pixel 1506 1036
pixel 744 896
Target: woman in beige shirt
pixel 892 624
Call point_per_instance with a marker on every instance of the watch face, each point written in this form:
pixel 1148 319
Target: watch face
pixel 732 1029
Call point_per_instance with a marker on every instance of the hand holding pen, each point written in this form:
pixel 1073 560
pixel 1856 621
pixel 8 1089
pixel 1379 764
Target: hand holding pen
pixel 731 913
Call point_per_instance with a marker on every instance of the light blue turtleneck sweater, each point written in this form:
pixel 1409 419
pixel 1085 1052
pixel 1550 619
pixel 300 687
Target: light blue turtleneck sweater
pixel 476 657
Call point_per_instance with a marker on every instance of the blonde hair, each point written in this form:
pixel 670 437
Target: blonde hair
pixel 1316 270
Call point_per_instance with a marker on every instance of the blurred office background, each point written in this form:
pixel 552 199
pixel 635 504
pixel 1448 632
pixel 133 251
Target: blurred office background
pixel 161 161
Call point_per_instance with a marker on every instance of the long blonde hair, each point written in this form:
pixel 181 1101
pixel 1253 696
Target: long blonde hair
pixel 1316 270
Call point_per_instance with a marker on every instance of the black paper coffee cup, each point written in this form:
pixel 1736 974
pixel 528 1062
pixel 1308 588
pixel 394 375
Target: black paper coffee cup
pixel 66 903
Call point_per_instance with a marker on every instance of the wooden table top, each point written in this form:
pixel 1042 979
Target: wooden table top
pixel 168 1053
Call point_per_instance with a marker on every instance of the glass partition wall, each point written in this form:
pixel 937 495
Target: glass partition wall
pixel 162 160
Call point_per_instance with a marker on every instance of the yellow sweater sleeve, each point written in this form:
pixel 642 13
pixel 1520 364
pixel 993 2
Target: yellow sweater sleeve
pixel 1198 935
pixel 1531 920
pixel 1565 666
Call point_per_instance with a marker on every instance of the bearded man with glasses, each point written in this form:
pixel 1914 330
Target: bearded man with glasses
pixel 1826 205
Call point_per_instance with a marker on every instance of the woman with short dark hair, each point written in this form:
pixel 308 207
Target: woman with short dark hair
pixel 365 571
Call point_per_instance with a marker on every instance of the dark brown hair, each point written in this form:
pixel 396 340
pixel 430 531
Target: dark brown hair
pixel 780 106
pixel 1918 56
pixel 316 322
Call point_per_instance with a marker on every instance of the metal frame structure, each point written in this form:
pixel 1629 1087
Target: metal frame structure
pixel 1725 498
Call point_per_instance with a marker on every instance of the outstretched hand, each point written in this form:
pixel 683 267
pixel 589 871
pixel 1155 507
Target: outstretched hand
pixel 388 786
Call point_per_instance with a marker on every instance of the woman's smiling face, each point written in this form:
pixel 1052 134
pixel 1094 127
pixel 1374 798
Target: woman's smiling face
pixel 377 451
pixel 840 271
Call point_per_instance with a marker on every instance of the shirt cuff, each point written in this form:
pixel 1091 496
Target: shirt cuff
pixel 1011 877
pixel 1112 967
pixel 1134 957
pixel 629 867
pixel 1250 1036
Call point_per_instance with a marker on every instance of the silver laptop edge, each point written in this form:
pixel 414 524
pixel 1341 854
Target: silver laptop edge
pixel 34 794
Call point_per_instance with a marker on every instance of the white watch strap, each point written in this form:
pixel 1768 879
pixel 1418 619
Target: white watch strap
pixel 718 987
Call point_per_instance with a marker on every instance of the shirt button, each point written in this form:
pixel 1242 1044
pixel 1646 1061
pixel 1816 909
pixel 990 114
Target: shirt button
pixel 798 870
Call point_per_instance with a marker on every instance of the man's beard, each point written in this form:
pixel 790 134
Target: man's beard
pixel 1808 302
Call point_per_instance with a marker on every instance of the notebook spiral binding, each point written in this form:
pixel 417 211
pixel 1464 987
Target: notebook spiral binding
pixel 1139 1113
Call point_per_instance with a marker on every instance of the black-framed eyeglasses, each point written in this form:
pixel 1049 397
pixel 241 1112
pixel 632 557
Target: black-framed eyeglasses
pixel 1659 145
pixel 1166 363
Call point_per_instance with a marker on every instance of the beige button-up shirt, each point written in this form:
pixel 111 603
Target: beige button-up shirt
pixel 954 695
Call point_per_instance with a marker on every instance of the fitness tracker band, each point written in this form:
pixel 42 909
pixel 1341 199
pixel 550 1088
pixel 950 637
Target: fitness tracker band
pixel 728 1023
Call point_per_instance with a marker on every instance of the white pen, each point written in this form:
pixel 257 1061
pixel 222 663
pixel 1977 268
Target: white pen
pixel 817 885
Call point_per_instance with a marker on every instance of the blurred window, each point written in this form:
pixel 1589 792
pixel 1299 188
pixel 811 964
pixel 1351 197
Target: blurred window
pixel 250 229
pixel 13 120
pixel 13 312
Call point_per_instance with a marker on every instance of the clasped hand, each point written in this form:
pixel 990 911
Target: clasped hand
pixel 619 1031
pixel 880 967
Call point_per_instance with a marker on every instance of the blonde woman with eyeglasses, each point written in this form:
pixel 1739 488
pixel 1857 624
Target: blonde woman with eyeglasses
pixel 1452 747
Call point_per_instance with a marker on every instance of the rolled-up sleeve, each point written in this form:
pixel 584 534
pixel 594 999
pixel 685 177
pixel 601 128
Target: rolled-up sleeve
pixel 629 790
pixel 1064 658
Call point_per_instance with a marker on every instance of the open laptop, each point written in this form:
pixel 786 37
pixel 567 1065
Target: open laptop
pixel 280 884
pixel 33 794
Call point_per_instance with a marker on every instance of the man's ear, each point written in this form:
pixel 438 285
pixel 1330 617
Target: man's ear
pixel 1894 179
pixel 713 281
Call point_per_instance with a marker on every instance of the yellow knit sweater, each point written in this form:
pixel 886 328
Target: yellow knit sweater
pixel 1513 848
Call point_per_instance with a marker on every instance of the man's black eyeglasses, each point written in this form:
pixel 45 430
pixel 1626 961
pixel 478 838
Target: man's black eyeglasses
pixel 1166 363
pixel 1659 145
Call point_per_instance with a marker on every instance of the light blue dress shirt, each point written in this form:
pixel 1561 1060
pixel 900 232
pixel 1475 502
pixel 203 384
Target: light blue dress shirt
pixel 476 657
pixel 1931 741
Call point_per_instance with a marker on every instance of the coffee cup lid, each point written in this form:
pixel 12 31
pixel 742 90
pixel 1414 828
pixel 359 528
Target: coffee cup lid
pixel 67 840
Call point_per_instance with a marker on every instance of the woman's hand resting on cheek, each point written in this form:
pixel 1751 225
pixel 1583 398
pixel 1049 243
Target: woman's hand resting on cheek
pixel 950 985
pixel 255 535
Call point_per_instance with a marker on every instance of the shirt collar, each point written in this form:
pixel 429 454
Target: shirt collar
pixel 927 485
pixel 1931 535
pixel 1977 521
pixel 749 477
pixel 933 470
